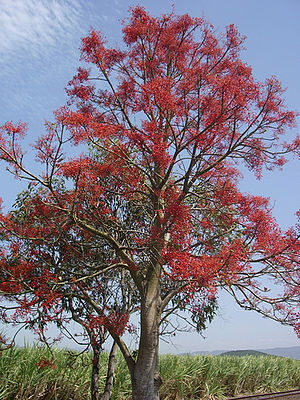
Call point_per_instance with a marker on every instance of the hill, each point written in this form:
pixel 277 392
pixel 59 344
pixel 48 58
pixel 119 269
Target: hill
pixel 242 353
pixel 290 352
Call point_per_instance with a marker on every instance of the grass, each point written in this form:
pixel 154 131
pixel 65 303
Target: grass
pixel 29 373
pixel 195 377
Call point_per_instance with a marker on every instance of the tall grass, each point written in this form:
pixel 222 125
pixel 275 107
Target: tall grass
pixel 22 378
pixel 195 377
pixel 30 373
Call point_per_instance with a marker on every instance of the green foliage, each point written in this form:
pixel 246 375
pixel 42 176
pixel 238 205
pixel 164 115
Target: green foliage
pixel 25 374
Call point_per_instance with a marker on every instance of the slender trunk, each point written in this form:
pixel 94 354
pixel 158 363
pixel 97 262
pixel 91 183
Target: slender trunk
pixel 110 373
pixel 95 373
pixel 157 377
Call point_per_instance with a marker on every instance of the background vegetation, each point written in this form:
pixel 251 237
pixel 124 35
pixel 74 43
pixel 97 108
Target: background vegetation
pixel 32 373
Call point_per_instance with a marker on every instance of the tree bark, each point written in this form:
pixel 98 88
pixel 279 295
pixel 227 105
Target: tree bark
pixel 145 378
pixel 95 372
pixel 110 373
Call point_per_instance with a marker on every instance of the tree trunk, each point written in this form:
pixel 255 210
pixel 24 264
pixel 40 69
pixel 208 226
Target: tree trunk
pixel 146 381
pixel 145 378
pixel 110 373
pixel 95 373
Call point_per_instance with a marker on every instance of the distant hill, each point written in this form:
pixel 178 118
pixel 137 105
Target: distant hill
pixel 290 352
pixel 242 353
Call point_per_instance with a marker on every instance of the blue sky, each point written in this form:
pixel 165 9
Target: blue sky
pixel 39 43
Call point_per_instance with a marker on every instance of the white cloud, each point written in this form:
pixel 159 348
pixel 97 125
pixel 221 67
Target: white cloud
pixel 35 25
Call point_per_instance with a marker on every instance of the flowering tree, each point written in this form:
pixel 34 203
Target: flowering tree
pixel 149 218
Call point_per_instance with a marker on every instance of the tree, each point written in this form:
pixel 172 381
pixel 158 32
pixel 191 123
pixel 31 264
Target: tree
pixel 149 218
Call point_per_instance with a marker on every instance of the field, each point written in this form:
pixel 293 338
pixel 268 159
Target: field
pixel 29 373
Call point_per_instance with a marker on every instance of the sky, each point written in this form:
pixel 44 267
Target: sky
pixel 39 53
